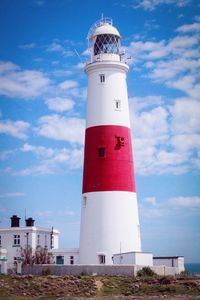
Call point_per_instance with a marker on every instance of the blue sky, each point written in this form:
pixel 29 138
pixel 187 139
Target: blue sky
pixel 42 114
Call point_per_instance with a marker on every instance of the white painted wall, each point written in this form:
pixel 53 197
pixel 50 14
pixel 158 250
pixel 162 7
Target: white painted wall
pixel 7 239
pixel 174 261
pixel 109 225
pixel 101 97
pixel 67 253
pixel 134 258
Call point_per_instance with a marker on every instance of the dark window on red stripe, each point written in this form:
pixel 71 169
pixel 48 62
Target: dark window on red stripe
pixel 101 151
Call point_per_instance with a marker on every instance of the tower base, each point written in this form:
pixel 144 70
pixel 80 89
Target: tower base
pixel 106 228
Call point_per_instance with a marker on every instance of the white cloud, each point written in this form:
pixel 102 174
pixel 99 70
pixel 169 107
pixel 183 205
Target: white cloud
pixel 7 66
pixel 68 84
pixel 40 2
pixel 146 123
pixel 150 208
pixel 60 104
pixel 51 160
pixel 143 103
pixel 28 46
pixel 80 65
pixel 38 150
pixel 150 200
pixel 70 213
pixel 186 116
pixel 55 47
pixel 62 73
pixel 195 27
pixel 174 62
pixel 185 143
pixel 41 169
pixel 6 153
pixel 150 50
pixel 165 139
pixel 58 47
pixel 21 84
pixel 44 213
pixel 12 195
pixel 152 4
pixel 188 202
pixel 16 129
pixel 186 84
pixel 62 128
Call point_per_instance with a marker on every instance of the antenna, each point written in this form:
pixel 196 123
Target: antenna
pixel 78 55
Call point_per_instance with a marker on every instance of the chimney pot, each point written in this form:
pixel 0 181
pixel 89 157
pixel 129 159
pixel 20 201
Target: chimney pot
pixel 15 221
pixel 30 222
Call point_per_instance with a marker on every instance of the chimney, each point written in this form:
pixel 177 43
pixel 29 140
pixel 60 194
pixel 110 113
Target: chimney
pixel 15 221
pixel 30 222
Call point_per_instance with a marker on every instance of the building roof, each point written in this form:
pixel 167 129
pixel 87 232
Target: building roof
pixel 103 26
pixel 28 228
pixel 166 257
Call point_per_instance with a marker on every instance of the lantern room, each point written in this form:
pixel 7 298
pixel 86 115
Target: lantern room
pixel 104 41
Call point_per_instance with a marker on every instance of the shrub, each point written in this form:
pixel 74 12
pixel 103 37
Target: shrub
pixel 46 271
pixel 39 256
pixel 146 272
pixel 184 274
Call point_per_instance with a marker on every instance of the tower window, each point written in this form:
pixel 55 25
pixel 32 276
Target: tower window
pixel 45 241
pixel 71 260
pixel 84 201
pixel 38 239
pixel 101 152
pixel 102 259
pixel 102 78
pixel 117 104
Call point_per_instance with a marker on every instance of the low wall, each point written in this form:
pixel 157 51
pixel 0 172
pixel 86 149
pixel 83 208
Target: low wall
pixel 112 270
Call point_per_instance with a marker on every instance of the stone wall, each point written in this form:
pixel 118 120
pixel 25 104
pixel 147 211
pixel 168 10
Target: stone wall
pixel 112 270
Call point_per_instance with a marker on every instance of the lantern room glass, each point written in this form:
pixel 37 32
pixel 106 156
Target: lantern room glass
pixel 107 43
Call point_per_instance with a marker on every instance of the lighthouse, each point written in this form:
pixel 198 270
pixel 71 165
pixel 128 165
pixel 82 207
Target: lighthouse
pixel 109 212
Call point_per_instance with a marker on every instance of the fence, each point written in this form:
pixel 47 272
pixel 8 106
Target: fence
pixel 112 270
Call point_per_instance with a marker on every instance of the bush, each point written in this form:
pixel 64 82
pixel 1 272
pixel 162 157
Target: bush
pixel 146 272
pixel 46 271
pixel 184 274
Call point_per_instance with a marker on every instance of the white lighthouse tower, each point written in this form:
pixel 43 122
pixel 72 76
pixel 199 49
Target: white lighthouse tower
pixel 109 215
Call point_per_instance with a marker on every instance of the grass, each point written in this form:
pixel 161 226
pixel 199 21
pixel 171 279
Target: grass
pixel 96 287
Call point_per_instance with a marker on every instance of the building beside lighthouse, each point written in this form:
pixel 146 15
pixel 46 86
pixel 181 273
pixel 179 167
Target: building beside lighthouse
pixel 109 213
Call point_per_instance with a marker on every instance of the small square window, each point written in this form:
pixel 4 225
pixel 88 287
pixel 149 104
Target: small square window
pixel 117 104
pixel 71 260
pixel 16 239
pixel 101 152
pixel 45 240
pixel 84 201
pixel 102 78
pixel 38 239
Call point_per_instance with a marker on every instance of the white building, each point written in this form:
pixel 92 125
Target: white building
pixel 133 258
pixel 170 261
pixel 16 237
pixel 69 256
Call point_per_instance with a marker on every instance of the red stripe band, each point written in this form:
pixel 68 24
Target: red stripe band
pixel 108 160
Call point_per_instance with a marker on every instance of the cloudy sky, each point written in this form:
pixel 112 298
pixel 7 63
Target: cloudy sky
pixel 43 92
